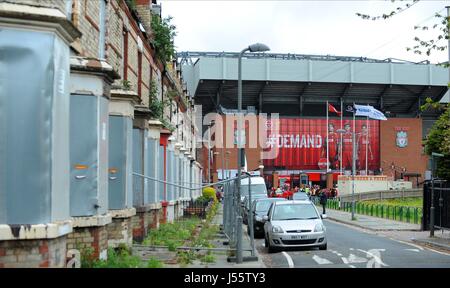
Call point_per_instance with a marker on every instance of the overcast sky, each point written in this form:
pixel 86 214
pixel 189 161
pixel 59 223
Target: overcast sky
pixel 304 27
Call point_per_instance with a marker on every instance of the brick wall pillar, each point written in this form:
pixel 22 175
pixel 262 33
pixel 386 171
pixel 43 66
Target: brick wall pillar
pixel 90 234
pixel 120 231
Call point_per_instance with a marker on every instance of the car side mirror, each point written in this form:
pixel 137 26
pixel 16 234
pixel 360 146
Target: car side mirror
pixel 324 216
pixel 265 218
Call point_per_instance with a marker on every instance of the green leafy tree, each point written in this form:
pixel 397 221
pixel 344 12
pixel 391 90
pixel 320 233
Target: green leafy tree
pixel 156 106
pixel 438 140
pixel 438 42
pixel 163 37
pixel 131 4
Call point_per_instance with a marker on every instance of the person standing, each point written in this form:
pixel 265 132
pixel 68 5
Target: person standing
pixel 323 200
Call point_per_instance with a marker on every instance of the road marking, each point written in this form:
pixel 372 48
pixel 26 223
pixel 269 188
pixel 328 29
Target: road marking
pixel 289 259
pixel 439 252
pixel 375 261
pixel 356 259
pixel 351 266
pixel 407 243
pixel 335 252
pixel 420 247
pixel 321 261
pixel 414 250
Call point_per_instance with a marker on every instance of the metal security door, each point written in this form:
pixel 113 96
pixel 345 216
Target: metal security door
pixel 83 155
pixel 117 162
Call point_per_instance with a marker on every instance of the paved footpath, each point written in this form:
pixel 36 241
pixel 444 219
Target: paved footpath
pixel 221 257
pixel 371 223
pixel 401 231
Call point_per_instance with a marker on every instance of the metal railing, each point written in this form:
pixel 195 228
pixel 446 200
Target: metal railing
pixel 397 213
pixel 232 214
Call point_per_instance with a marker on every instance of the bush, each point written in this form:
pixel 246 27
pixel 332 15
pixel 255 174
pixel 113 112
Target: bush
pixel 119 257
pixel 202 200
pixel 209 193
pixel 172 235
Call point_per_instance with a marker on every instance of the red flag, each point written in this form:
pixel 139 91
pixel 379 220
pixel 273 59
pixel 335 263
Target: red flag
pixel 332 109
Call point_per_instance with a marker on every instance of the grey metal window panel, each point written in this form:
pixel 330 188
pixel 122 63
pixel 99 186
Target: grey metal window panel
pixel 171 170
pixel 147 182
pixel 103 139
pixel 161 173
pixel 69 4
pixel 120 160
pixel 167 174
pixel 102 32
pixel 129 165
pixel 177 176
pixel 152 155
pixel 138 156
pixel 84 155
pixel 34 124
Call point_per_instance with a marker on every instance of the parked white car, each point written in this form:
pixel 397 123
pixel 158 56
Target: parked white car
pixel 294 224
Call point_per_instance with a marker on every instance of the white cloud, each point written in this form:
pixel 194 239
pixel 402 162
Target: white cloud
pixel 305 27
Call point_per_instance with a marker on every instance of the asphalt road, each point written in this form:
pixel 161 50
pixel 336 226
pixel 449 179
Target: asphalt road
pixel 353 248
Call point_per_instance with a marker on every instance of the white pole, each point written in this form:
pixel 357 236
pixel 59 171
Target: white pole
pixel 340 146
pixel 367 142
pixel 353 166
pixel 328 144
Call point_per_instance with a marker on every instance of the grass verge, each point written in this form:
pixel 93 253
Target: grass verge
pixel 407 202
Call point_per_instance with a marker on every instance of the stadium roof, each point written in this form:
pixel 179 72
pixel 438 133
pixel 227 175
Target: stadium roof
pixel 299 85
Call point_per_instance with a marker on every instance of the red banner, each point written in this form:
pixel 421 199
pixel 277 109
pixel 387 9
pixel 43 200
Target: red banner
pixel 302 144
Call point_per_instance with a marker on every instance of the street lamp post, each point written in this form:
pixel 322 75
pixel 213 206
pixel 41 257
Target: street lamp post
pixel 258 47
pixel 209 152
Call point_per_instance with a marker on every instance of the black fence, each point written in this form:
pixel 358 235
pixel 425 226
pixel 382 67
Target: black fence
pixel 441 197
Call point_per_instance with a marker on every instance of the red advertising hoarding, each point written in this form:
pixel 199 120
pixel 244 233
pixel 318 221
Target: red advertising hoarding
pixel 302 144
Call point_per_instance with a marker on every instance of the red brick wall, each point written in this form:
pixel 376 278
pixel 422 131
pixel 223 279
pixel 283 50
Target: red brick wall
pixel 410 157
pixel 95 238
pixel 33 253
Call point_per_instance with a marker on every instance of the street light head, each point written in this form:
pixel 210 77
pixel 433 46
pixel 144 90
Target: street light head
pixel 258 47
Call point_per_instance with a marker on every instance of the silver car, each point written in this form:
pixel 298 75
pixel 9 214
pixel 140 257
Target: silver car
pixel 294 224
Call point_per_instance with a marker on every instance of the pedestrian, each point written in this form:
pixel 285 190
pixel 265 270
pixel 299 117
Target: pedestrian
pixel 323 200
pixel 218 195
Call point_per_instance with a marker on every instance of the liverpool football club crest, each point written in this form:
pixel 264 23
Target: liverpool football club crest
pixel 402 139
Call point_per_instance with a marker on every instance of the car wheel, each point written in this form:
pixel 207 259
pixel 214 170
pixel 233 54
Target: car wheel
pixel 323 247
pixel 270 248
